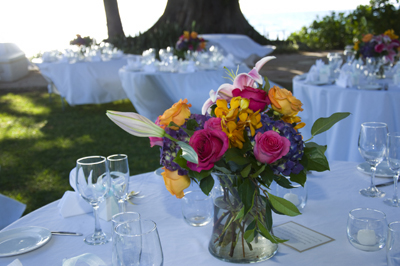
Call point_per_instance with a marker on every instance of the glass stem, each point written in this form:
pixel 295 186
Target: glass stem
pixel 373 170
pixel 97 228
pixel 395 179
pixel 121 206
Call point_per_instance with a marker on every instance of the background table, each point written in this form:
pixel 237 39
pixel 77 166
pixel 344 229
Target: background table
pixel 242 47
pixel 330 198
pixel 364 106
pixel 86 82
pixel 153 93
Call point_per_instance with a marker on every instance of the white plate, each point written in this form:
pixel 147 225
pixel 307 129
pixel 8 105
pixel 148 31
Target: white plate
pixel 24 239
pixel 158 171
pixel 370 87
pixel 319 83
pixel 382 170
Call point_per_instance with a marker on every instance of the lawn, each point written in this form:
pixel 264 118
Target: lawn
pixel 40 143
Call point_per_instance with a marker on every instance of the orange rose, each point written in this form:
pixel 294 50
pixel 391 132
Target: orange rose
pixel 193 35
pixel 177 114
pixel 367 37
pixel 175 183
pixel 284 102
pixel 186 35
pixel 202 45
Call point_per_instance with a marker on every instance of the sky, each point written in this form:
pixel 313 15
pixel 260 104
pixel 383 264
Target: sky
pixel 42 25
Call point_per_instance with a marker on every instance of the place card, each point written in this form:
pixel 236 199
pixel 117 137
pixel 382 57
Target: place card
pixel 299 237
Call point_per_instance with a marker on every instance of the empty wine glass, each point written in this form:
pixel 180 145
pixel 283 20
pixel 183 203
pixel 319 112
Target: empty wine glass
pixel 93 184
pixel 119 173
pixel 393 159
pixel 372 147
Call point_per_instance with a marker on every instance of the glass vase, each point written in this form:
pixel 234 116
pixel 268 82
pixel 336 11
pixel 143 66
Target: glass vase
pixel 228 239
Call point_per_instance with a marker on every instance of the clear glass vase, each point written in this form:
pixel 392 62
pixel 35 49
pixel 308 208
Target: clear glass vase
pixel 228 239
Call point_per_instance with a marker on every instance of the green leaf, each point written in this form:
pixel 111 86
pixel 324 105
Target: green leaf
pixel 188 152
pixel 222 169
pixel 315 145
pixel 191 124
pixel 246 171
pixel 246 191
pixel 180 160
pixel 259 171
pixel 236 156
pixel 267 85
pixel 283 181
pixel 267 176
pixel 299 178
pixel 316 157
pixel 283 206
pixel 206 184
pixel 268 235
pixel 323 124
pixel 240 214
pixel 201 175
pixel 249 233
pixel 268 216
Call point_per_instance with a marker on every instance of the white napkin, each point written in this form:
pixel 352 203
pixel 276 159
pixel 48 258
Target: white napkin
pixel 11 210
pixel 72 203
pixel 64 59
pixel 151 68
pixel 88 258
pixel 344 79
pixel 95 58
pixel 228 61
pixel 318 72
pixel 15 263
pixel 191 67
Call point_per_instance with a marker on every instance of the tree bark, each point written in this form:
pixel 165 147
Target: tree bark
pixel 114 25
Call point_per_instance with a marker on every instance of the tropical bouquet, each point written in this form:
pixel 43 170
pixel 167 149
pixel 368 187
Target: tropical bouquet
pixel 383 45
pixel 246 137
pixel 79 41
pixel 189 41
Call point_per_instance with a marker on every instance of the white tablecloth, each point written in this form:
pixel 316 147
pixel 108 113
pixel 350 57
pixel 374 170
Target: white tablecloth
pixel 364 106
pixel 240 46
pixel 86 82
pixel 330 198
pixel 153 93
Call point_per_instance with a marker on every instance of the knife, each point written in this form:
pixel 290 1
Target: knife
pixel 66 233
pixel 386 184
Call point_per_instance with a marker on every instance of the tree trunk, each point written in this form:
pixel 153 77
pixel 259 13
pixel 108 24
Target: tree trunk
pixel 114 25
pixel 210 16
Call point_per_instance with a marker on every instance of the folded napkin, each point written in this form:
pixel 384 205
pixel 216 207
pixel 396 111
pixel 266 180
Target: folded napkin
pixel 95 58
pixel 15 263
pixel 319 72
pixel 151 68
pixel 72 203
pixel 64 59
pixel 88 258
pixel 228 61
pixel 11 210
pixel 344 79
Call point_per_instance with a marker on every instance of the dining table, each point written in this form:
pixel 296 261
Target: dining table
pixel 85 81
pixel 331 196
pixel 151 93
pixel 380 104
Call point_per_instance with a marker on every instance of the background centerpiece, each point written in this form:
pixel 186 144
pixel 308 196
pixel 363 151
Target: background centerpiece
pixel 246 137
pixel 188 43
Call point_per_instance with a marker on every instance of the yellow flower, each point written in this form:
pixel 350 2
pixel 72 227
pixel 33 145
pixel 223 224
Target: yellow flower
pixel 284 102
pixel 391 34
pixel 235 134
pixel 237 102
pixel 178 113
pixel 250 119
pixel 175 183
pixel 367 37
pixel 186 35
pixel 224 112
pixel 356 46
pixel 193 35
pixel 294 119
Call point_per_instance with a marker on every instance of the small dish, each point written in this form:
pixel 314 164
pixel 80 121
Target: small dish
pixel 369 87
pixel 382 170
pixel 319 83
pixel 21 240
pixel 158 171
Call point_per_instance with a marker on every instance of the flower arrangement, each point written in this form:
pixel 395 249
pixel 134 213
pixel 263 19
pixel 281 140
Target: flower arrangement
pixel 79 41
pixel 386 44
pixel 248 133
pixel 189 41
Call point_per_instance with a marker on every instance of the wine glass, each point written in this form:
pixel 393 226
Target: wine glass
pixel 119 173
pixel 372 147
pixel 93 184
pixel 393 159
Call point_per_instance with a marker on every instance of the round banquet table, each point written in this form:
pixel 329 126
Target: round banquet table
pixel 151 93
pixel 364 106
pixel 331 195
pixel 86 82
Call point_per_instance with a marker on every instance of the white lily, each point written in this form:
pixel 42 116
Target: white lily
pixel 141 126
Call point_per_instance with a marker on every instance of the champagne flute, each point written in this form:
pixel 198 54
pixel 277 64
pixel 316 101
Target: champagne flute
pixel 93 184
pixel 119 172
pixel 393 159
pixel 372 147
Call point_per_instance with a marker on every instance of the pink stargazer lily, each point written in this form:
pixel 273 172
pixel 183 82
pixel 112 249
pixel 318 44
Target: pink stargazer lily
pixel 242 80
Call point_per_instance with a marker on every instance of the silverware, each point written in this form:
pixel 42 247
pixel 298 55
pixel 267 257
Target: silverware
pixel 66 233
pixel 386 184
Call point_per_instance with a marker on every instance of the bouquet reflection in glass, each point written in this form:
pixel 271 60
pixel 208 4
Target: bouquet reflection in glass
pixel 93 184
pixel 246 137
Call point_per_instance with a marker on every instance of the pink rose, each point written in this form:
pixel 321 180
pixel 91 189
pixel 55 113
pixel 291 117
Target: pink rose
pixel 258 98
pixel 210 146
pixel 379 48
pixel 270 146
pixel 214 123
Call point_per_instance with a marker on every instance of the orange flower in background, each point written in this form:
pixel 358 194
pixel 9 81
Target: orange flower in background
pixel 202 45
pixel 284 102
pixel 391 34
pixel 367 37
pixel 178 113
pixel 175 183
pixel 193 35
pixel 356 46
pixel 186 35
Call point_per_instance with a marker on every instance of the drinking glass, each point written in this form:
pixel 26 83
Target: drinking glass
pixel 393 159
pixel 296 195
pixel 119 172
pixel 367 229
pixel 137 243
pixel 393 244
pixel 197 208
pixel 93 184
pixel 372 147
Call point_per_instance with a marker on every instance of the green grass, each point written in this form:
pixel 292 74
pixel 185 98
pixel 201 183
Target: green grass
pixel 40 143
